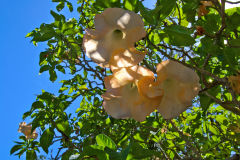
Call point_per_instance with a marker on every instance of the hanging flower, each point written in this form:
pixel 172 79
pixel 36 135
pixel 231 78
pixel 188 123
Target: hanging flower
pixel 180 85
pixel 116 31
pixel 126 93
pixel 235 83
pixel 26 130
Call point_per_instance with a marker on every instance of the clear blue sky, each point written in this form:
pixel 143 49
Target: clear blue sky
pixel 20 81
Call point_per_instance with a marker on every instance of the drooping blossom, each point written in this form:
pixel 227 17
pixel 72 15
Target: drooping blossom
pixel 129 93
pixel 235 83
pixel 116 31
pixel 180 85
pixel 26 130
pixel 133 92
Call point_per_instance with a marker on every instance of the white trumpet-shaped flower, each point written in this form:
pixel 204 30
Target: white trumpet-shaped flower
pixel 112 41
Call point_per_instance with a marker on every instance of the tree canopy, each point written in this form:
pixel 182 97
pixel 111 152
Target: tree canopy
pixel 201 36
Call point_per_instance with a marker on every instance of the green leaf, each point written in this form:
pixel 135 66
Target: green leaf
pixel 42 57
pixel 64 127
pixel 235 42
pixel 94 150
pixel 214 129
pixel 60 68
pixel 113 154
pixel 46 139
pixel 31 155
pixel 30 34
pixel 179 35
pixel 60 6
pixel 205 102
pixel 56 16
pixel 164 8
pixel 138 152
pixel 85 73
pixel 130 4
pixel 66 155
pixel 53 75
pixel 105 141
pixel 15 148
pixel 43 37
pixel 125 152
pixel 70 6
pixel 38 119
pixel 107 4
pixel 44 68
pixel 189 9
pixel 26 114
pixel 147 14
pixel 233 21
pixel 36 105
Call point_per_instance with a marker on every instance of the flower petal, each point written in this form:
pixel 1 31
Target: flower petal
pixel 26 130
pixel 125 58
pixel 117 30
pixel 175 70
pixel 123 98
pixel 180 85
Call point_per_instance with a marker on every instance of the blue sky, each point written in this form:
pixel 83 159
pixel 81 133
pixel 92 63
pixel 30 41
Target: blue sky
pixel 20 81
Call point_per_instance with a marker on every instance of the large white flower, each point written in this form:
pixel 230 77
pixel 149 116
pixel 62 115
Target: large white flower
pixel 133 92
pixel 180 85
pixel 126 93
pixel 116 31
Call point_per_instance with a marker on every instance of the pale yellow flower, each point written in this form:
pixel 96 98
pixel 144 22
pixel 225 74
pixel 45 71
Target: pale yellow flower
pixel 26 130
pixel 180 85
pixel 126 97
pixel 116 31
pixel 133 92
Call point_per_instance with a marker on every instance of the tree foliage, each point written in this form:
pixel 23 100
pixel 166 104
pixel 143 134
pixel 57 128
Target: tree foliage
pixel 204 38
